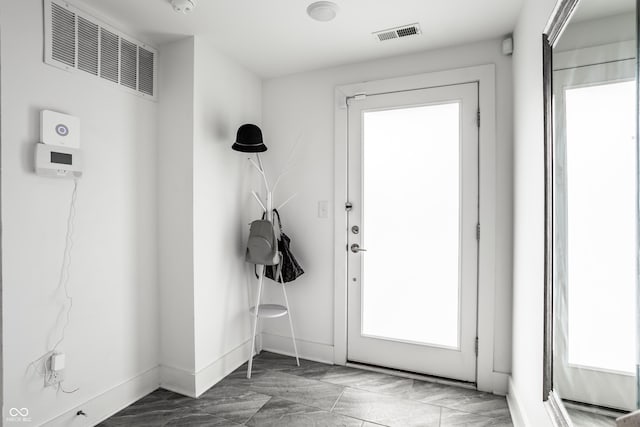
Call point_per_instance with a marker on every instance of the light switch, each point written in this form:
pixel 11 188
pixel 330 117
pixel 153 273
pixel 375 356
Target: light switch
pixel 323 209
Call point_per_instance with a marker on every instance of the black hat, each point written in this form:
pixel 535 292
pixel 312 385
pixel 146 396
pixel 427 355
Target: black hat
pixel 249 139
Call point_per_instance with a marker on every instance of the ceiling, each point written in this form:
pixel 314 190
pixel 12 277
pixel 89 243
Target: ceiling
pixel 276 37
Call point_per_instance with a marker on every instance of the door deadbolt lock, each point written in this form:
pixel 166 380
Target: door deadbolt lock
pixel 355 229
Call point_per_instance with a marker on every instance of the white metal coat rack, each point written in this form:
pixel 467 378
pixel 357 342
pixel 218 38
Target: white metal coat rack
pixel 268 311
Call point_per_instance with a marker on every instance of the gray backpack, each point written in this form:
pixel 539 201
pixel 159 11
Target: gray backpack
pixel 262 246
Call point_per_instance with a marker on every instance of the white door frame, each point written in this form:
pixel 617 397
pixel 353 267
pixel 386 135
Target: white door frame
pixel 487 380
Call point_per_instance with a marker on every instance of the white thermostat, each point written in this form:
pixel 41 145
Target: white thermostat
pixel 58 162
pixel 59 129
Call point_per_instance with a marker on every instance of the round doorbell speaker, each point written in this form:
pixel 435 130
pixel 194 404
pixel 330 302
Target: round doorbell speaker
pixel 62 130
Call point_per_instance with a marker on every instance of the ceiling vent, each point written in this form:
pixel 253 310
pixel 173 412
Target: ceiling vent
pixel 77 41
pixel 398 32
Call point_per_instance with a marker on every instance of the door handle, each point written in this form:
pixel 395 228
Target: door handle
pixel 355 248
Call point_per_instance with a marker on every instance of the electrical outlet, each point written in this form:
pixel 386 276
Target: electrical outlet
pixel 54 370
pixel 53 378
pixel 57 362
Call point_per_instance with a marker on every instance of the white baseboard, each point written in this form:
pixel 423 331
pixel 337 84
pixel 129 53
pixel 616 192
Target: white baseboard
pixel 517 414
pixel 259 342
pixel 194 384
pixel 111 401
pixel 306 349
pixel 178 380
pixel 217 370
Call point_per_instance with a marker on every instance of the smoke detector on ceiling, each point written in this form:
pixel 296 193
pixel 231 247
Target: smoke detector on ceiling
pixel 183 6
pixel 322 11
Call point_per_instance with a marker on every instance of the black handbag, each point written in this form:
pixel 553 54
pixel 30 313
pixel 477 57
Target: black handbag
pixel 288 269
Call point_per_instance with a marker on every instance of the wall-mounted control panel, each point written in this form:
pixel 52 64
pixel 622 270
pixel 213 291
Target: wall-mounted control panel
pixel 59 129
pixel 58 154
pixel 58 162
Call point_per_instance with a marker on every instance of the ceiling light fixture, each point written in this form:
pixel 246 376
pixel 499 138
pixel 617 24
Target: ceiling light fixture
pixel 183 6
pixel 322 11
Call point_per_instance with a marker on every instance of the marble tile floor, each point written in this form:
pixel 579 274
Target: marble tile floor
pixel 588 419
pixel 282 394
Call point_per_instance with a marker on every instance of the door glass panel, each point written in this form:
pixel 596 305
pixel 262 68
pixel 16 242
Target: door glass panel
pixel 411 211
pixel 601 269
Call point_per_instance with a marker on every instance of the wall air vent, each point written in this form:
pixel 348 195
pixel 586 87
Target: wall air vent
pixel 398 32
pixel 77 41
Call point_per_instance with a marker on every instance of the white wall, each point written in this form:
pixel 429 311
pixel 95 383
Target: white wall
pixel 528 268
pixel 226 96
pixel 204 205
pixel 175 203
pixel 303 104
pixel 113 335
pixel 596 32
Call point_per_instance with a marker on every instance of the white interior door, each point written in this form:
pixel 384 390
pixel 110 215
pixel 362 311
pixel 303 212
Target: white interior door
pixel 595 234
pixel 413 184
